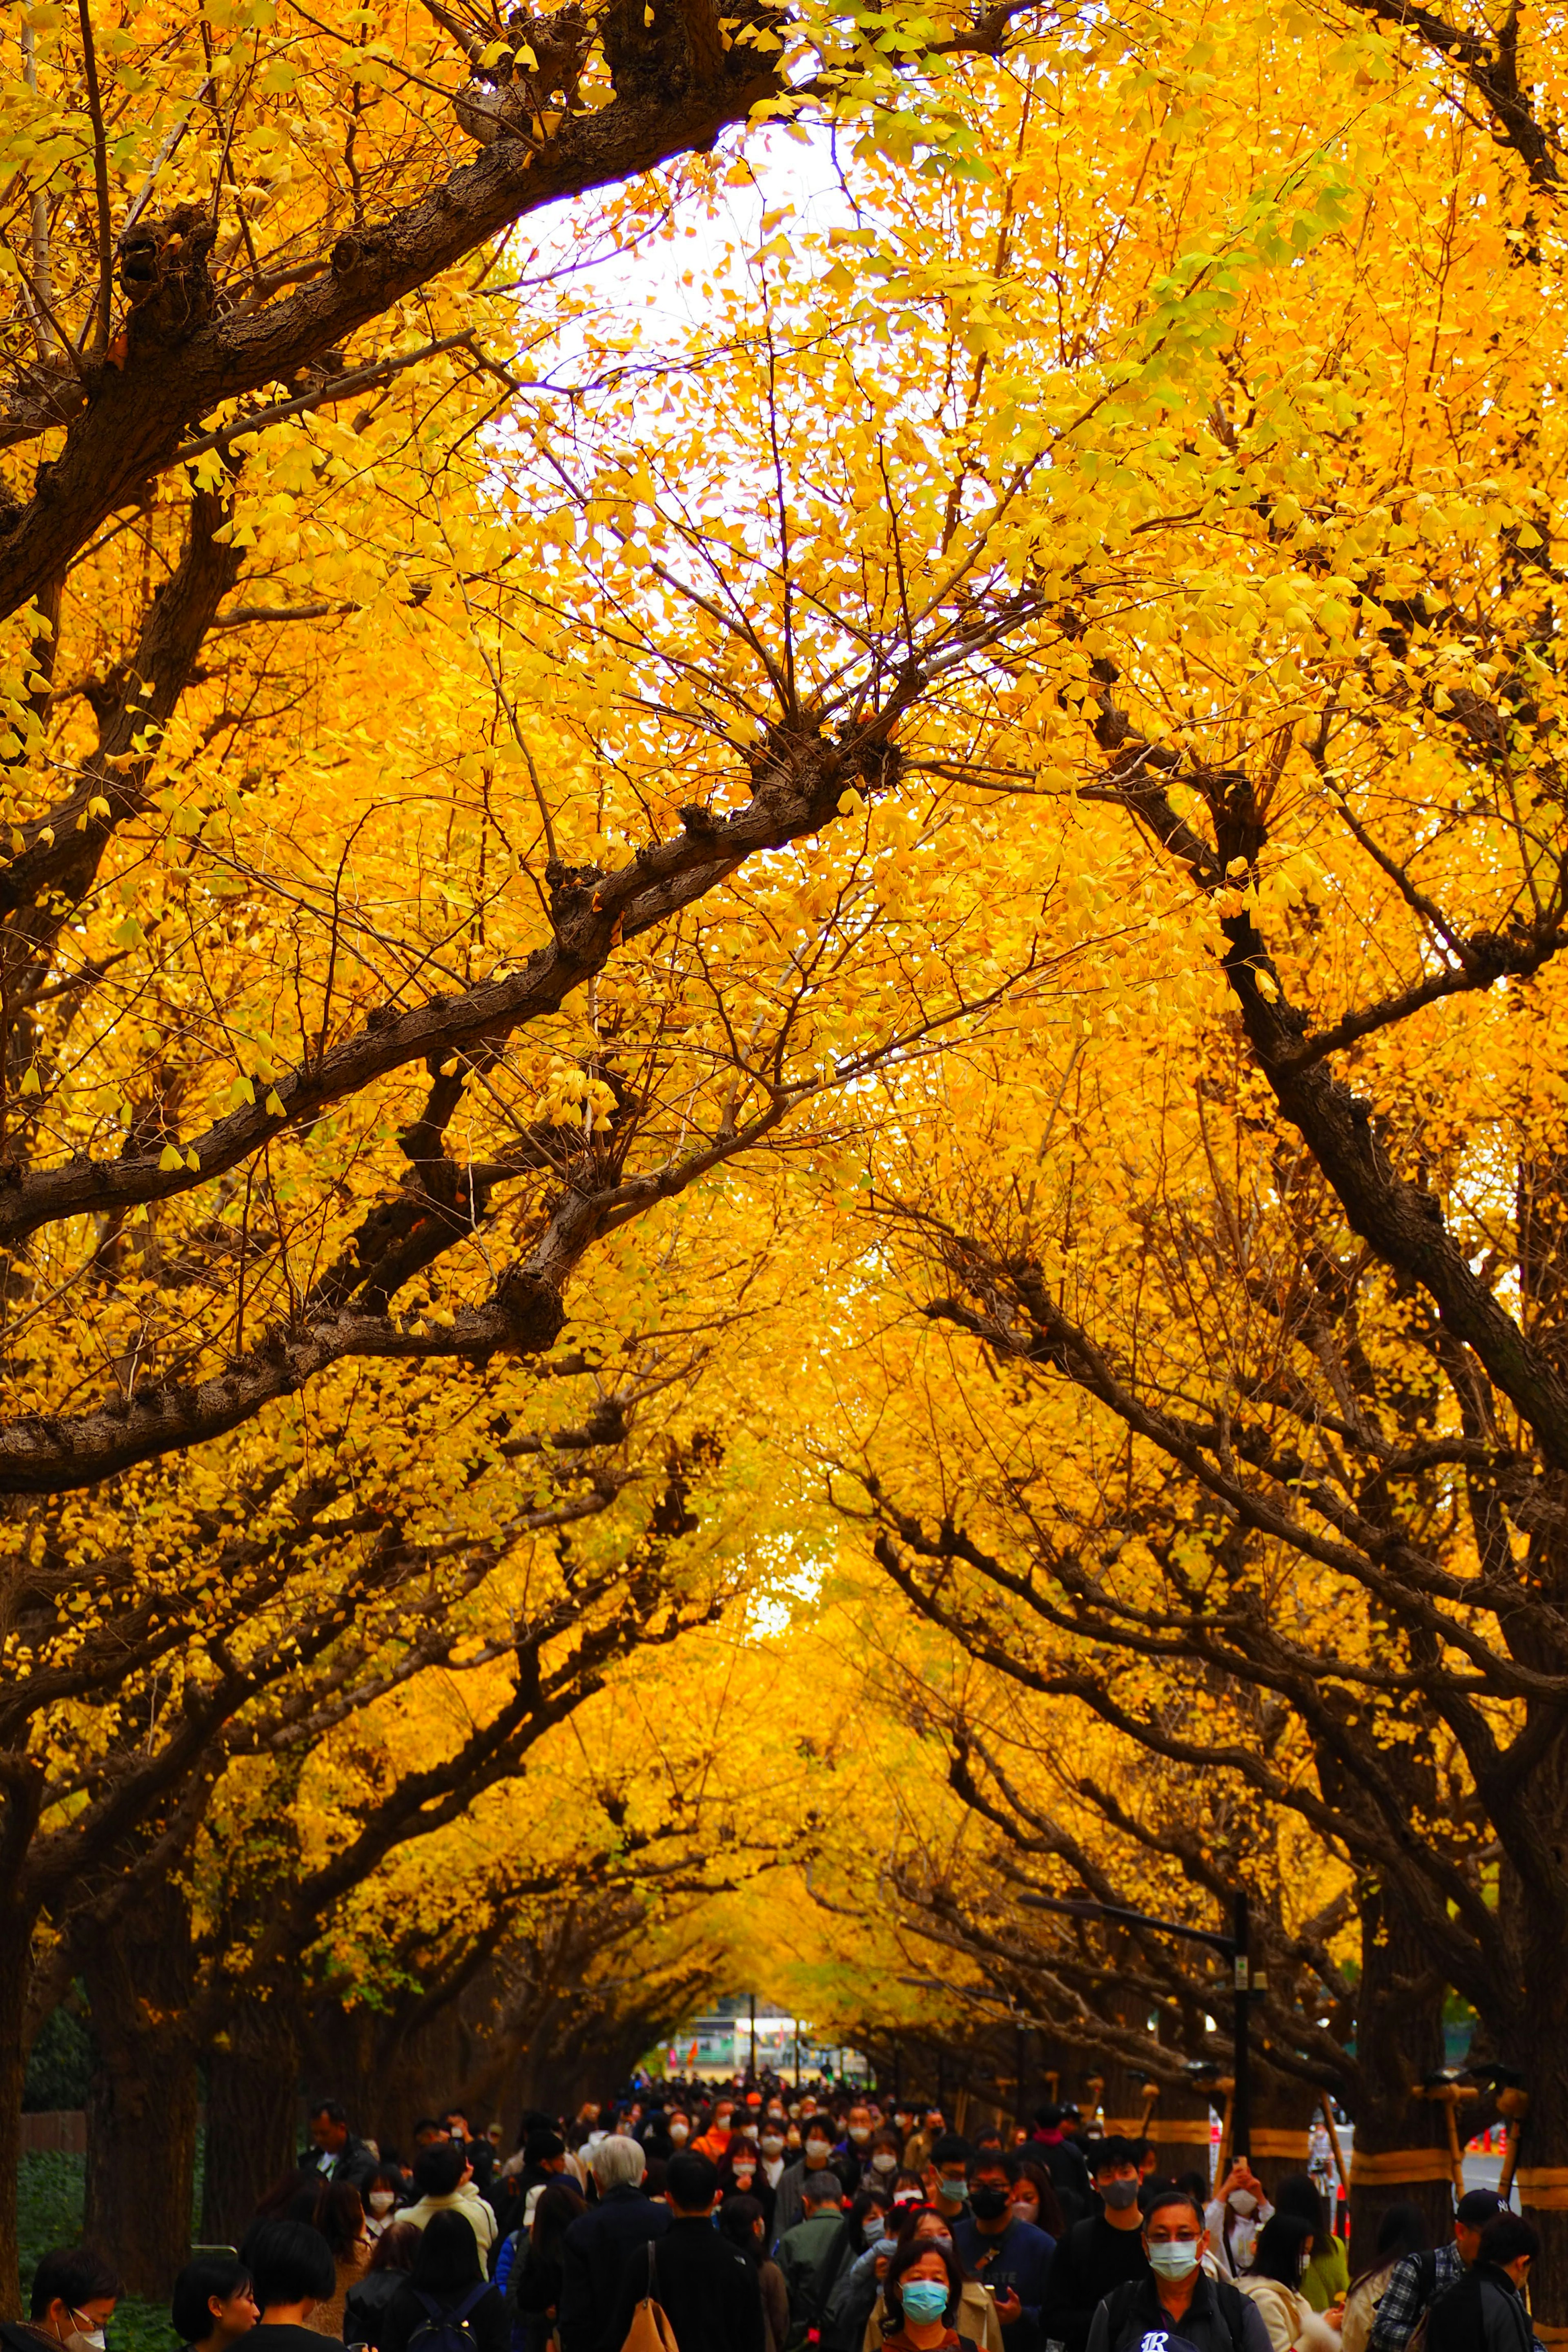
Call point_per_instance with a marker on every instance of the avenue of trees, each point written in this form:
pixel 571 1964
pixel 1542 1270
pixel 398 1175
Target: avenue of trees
pixel 783 1140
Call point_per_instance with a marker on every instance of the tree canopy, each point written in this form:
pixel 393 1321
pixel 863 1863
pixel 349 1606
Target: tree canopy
pixel 782 1152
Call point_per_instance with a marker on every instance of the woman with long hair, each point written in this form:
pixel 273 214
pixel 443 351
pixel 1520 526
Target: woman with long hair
pixel 1034 2197
pixel 1326 2280
pixel 368 2302
pixel 536 2276
pixel 871 2224
pixel 447 2282
pixel 1401 2232
pixel 1284 2248
pixel 741 2221
pixel 741 2174
pixel 339 2216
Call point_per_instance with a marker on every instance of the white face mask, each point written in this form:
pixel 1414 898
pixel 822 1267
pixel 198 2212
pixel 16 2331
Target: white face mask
pixel 772 2144
pixel 1174 2258
pixel 381 2200
pixel 884 2161
pixel 83 2339
pixel 679 2132
pixel 1243 2201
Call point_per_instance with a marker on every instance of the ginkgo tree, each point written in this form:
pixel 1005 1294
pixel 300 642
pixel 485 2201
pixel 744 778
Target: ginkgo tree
pixel 1262 1251
pixel 471 786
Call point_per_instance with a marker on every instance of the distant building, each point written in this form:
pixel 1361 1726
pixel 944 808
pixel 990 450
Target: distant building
pixel 720 2043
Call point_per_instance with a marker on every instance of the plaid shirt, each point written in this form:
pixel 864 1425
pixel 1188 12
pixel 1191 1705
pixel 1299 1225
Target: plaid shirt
pixel 1402 2300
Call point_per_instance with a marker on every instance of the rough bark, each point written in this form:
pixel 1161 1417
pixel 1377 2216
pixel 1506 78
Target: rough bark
pixel 1399 2043
pixel 253 2101
pixel 14 1937
pixel 141 2110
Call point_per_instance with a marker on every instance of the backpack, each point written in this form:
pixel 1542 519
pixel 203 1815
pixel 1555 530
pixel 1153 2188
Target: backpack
pixel 1427 2270
pixel 651 2330
pixel 1232 2304
pixel 447 2331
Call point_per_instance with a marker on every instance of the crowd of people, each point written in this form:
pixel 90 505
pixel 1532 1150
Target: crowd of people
pixel 754 2217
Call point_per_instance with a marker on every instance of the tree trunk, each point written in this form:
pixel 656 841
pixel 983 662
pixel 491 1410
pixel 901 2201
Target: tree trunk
pixel 1536 2045
pixel 253 2079
pixel 1283 2113
pixel 142 2106
pixel 16 1937
pixel 1401 2142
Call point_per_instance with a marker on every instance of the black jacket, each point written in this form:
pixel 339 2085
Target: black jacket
pixel 1484 2312
pixel 357 2163
pixel 594 2253
pixel 1069 2168
pixel 1091 2259
pixel 1219 2318
pixel 710 2293
pixel 366 2304
pixel 487 2323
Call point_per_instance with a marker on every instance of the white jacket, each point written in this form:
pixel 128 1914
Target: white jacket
pixel 467 2201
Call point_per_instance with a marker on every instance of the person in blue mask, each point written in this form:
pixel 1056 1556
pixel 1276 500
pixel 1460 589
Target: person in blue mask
pixel 921 2294
pixel 947 2177
pixel 1177 2297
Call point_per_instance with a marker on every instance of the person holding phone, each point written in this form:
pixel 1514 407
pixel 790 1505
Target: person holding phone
pixel 1009 2256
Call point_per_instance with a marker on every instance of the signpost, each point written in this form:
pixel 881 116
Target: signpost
pixel 1233 1947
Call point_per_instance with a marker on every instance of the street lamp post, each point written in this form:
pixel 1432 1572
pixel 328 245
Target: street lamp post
pixel 1233 1947
pixel 751 2004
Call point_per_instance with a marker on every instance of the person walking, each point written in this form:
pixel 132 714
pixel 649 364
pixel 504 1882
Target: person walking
pixel 1420 2279
pixel 1326 2280
pixel 292 2270
pixel 533 2293
pixel 1280 2258
pixel 816 2155
pixel 447 2289
pixel 1485 2310
pixel 923 2300
pixel 974 2315
pixel 714 2142
pixel 444 2179
pixel 212 2303
pixel 340 2218
pixel 1400 2232
pixel 947 2177
pixel 1065 2161
pixel 811 2255
pixel 743 2221
pixel 741 2175
pixel 1234 2216
pixel 369 2301
pixel 604 2243
pixel 335 2152
pixel 382 2193
pixel 1009 2255
pixel 1176 2298
pixel 869 2227
pixel 1100 2253
pixel 709 2292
